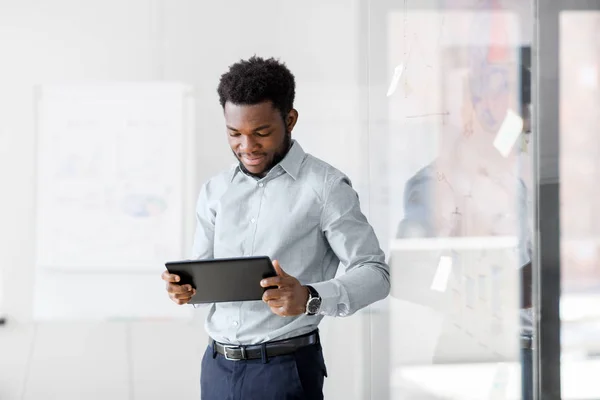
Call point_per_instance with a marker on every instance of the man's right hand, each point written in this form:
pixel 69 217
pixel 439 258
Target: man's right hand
pixel 180 294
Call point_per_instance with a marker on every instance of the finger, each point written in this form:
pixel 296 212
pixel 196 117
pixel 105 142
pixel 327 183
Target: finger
pixel 175 288
pixel 182 301
pixel 179 301
pixel 276 303
pixel 281 311
pixel 166 276
pixel 170 277
pixel 186 295
pixel 272 294
pixel 278 309
pixel 278 269
pixel 273 281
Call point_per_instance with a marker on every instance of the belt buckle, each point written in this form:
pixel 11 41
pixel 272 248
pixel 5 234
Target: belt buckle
pixel 228 347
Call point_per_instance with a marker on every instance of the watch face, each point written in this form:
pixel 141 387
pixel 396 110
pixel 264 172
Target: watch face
pixel 313 305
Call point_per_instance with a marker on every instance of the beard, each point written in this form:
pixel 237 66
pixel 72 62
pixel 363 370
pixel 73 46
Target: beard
pixel 279 155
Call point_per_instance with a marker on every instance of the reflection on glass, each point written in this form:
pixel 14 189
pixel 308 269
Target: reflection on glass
pixel 579 216
pixel 458 118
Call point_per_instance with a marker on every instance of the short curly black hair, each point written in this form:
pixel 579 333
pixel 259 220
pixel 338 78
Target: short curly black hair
pixel 256 80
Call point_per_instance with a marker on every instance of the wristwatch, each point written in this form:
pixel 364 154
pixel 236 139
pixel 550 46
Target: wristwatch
pixel 313 305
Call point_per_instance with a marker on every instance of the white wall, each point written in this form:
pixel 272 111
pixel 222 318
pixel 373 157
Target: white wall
pixel 188 41
pixel 65 41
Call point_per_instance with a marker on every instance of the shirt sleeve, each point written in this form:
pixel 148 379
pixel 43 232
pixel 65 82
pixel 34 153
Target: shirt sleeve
pixel 353 240
pixel 204 237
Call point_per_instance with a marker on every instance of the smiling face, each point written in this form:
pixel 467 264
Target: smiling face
pixel 258 135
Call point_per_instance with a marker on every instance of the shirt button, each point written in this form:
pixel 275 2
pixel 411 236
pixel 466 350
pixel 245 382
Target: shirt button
pixel 235 323
pixel 252 220
pixel 261 184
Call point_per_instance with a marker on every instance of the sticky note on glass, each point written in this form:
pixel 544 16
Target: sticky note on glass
pixel 442 274
pixel 395 79
pixel 509 132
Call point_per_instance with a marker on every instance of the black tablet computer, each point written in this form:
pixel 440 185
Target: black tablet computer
pixel 224 279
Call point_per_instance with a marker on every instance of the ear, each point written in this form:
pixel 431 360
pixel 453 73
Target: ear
pixel 291 119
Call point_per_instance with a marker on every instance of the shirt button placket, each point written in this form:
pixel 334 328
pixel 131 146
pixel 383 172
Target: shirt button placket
pixel 253 220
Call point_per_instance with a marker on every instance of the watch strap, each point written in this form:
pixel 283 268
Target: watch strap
pixel 312 292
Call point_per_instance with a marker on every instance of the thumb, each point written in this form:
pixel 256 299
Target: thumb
pixel 278 269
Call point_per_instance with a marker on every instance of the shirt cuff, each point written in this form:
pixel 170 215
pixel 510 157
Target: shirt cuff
pixel 330 298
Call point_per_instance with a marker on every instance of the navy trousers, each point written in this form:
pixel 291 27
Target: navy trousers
pixel 297 376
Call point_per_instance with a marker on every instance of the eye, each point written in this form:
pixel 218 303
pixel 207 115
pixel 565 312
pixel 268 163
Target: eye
pixel 262 134
pixel 234 134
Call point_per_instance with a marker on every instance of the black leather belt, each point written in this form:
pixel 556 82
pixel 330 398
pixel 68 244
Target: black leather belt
pixel 272 349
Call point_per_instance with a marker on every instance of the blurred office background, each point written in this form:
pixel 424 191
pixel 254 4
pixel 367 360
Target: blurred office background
pixel 468 127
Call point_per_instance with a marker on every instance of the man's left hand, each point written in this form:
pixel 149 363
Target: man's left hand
pixel 290 297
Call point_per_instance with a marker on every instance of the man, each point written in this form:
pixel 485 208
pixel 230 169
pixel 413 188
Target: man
pixel 303 213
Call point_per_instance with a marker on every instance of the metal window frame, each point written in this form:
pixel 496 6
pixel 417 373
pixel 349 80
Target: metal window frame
pixel 547 139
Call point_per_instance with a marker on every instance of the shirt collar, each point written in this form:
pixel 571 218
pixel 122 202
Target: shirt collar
pixel 234 171
pixel 293 160
pixel 291 163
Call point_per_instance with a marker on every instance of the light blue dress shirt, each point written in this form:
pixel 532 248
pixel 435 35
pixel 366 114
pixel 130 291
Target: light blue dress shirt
pixel 305 214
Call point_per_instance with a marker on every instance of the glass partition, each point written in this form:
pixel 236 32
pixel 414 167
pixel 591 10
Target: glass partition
pixel 451 195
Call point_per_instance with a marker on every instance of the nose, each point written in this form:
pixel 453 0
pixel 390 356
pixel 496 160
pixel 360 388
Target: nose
pixel 247 143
